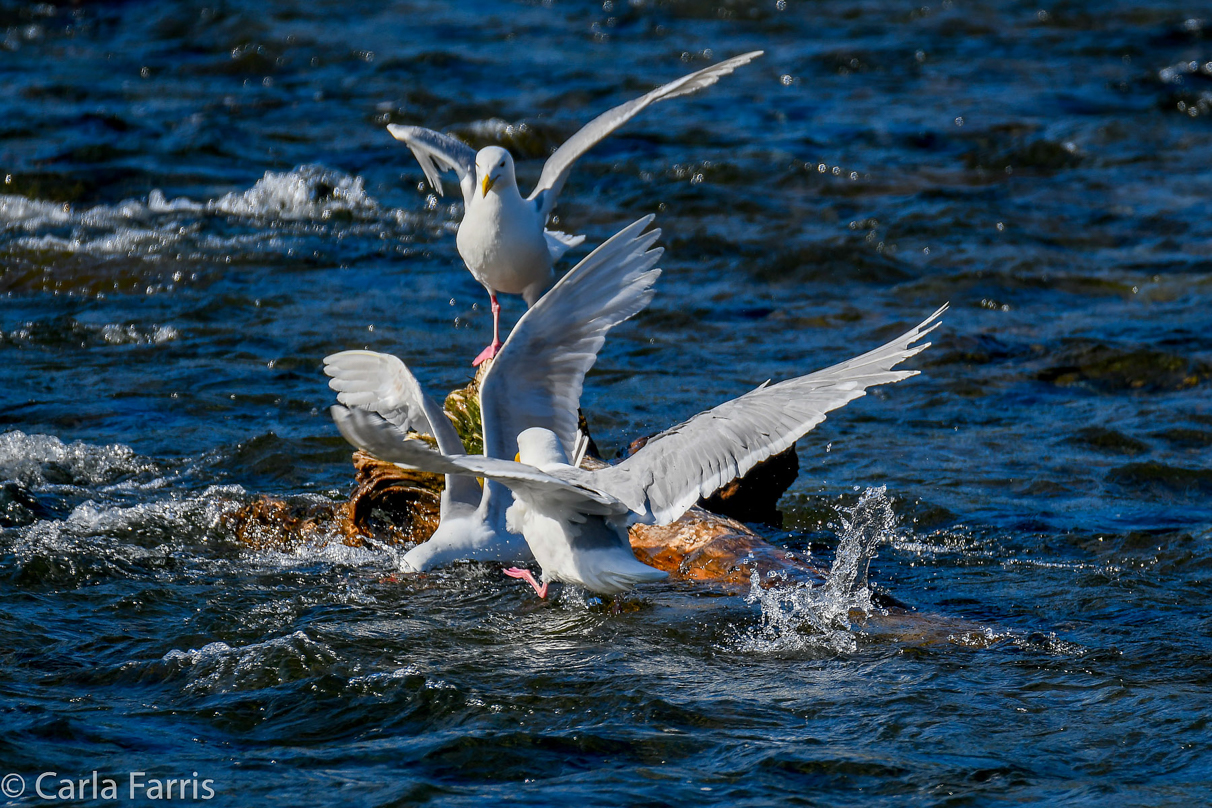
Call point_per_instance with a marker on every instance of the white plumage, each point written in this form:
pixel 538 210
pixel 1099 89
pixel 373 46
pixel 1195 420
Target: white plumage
pixel 502 238
pixel 565 513
pixel 535 381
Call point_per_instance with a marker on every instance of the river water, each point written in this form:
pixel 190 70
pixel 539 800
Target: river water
pixel 200 201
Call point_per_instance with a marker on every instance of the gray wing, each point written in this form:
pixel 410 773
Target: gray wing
pixel 383 384
pixel 536 379
pixel 694 459
pixel 437 152
pixel 374 435
pixel 559 165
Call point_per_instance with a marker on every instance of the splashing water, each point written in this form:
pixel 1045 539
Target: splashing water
pixel 806 617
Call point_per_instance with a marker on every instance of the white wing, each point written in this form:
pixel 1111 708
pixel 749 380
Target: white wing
pixel 383 384
pixel 694 459
pixel 537 377
pixel 374 435
pixel 559 243
pixel 558 166
pixel 437 152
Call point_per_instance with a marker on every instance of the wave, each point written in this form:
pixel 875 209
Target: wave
pixel 305 197
pixel 38 461
pixel 219 667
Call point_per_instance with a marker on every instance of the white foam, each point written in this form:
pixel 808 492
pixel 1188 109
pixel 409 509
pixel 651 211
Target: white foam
pixel 19 212
pixel 308 192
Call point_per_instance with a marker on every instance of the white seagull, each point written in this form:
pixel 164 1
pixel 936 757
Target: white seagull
pixel 535 381
pixel 575 521
pixel 502 238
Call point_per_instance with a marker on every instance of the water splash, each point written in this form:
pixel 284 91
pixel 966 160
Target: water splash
pixel 804 617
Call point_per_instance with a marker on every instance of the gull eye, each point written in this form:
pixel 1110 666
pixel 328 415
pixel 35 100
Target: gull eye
pixel 502 165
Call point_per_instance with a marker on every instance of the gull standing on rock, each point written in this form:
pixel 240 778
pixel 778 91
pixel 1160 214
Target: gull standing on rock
pixel 502 238
pixel 535 381
pixel 576 521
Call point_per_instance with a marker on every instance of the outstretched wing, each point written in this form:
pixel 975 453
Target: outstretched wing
pixel 537 377
pixel 437 152
pixel 558 166
pixel 383 384
pixel 374 435
pixel 696 458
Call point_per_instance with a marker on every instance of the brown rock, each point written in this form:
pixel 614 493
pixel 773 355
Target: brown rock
pixel 272 523
pixel 391 504
pixel 706 547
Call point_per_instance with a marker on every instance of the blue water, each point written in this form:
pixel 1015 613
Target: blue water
pixel 201 201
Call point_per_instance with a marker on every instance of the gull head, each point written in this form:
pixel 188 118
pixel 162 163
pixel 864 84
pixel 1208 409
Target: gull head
pixel 540 448
pixel 494 165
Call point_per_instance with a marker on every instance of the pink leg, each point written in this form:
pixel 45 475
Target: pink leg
pixel 491 350
pixel 517 572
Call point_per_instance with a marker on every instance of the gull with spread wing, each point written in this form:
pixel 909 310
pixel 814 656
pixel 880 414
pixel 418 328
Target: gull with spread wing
pixel 575 521
pixel 502 238
pixel 534 382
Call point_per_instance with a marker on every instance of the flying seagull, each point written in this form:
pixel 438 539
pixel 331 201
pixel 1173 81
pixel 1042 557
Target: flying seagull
pixel 502 238
pixel 535 381
pixel 575 521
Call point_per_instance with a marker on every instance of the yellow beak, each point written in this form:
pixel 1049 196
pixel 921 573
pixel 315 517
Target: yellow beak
pixel 517 458
pixel 486 183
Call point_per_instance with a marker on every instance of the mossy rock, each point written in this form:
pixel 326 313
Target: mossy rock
pixel 463 407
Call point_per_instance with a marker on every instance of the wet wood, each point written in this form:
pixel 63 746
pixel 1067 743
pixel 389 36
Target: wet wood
pixel 710 548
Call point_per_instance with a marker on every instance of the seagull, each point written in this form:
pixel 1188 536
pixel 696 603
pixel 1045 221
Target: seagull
pixel 576 520
pixel 535 381
pixel 502 238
